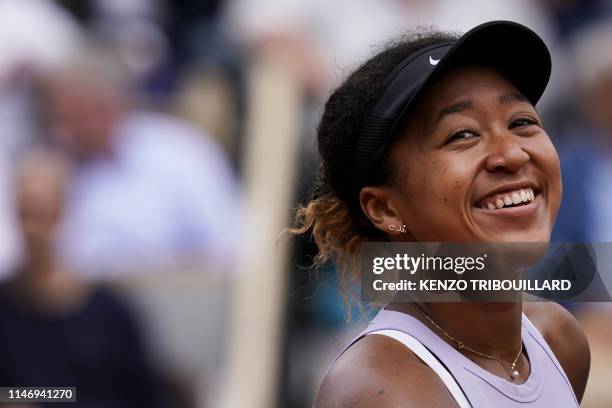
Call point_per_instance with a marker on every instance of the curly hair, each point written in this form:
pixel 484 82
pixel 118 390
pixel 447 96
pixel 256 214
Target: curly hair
pixel 333 216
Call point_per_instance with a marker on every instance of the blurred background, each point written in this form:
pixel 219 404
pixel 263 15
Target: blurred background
pixel 151 151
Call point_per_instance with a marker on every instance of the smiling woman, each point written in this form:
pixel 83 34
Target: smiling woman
pixel 438 134
pixel 477 142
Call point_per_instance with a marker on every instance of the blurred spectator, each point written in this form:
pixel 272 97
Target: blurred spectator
pixel 148 189
pixel 178 53
pixel 56 330
pixel 33 34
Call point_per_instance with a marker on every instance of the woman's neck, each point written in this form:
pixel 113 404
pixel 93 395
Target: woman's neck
pixel 490 328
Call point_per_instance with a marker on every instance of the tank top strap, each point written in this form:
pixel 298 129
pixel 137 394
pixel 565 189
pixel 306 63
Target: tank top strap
pixel 444 352
pixel 382 321
pixel 432 361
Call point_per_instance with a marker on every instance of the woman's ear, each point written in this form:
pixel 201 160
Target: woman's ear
pixel 376 204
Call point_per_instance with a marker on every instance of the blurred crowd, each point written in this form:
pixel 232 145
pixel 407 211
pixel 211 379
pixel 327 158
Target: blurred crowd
pixel 127 183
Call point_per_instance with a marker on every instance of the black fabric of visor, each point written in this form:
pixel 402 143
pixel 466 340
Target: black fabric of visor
pixel 400 86
pixel 509 47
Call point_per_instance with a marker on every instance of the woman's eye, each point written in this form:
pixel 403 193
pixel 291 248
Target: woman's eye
pixel 522 122
pixel 461 135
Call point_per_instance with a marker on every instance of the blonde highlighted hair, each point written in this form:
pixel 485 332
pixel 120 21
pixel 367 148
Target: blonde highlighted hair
pixel 338 234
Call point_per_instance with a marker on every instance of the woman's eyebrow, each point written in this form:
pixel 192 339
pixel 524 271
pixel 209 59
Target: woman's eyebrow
pixel 454 108
pixel 513 96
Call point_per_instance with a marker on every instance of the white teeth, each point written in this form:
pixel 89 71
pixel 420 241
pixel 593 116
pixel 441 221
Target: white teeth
pixel 525 195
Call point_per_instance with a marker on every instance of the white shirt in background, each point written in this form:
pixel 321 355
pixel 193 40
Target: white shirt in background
pixel 168 193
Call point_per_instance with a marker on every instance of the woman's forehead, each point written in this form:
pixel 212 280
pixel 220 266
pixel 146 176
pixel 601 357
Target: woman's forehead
pixel 468 82
pixel 464 88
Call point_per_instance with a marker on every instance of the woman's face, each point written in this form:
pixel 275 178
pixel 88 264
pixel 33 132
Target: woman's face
pixel 473 145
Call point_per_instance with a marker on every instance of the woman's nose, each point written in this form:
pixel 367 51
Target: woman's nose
pixel 506 154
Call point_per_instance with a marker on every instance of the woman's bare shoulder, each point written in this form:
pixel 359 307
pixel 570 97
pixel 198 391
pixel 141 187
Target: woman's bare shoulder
pixel 566 339
pixel 378 371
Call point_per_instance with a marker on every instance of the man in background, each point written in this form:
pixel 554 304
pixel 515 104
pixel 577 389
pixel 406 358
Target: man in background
pixel 148 190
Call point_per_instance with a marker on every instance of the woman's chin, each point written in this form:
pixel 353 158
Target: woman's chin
pixel 534 234
pixel 521 237
pixel 530 225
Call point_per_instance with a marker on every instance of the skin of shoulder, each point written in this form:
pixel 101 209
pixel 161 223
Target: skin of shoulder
pixel 566 339
pixel 378 371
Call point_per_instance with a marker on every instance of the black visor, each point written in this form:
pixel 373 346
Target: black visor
pixel 513 49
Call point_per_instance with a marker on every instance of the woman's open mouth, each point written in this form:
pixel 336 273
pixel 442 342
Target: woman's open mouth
pixel 517 202
pixel 507 199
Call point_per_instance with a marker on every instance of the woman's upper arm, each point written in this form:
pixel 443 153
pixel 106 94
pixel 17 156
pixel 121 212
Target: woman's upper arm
pixel 380 372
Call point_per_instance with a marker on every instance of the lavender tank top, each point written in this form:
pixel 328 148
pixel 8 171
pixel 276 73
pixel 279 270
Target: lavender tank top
pixel 547 385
